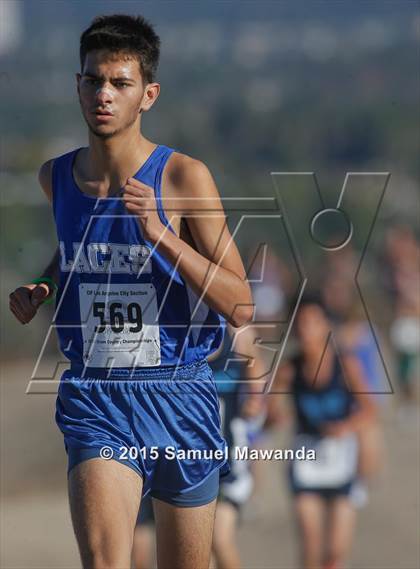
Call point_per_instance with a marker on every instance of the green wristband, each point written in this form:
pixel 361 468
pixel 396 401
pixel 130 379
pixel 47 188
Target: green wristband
pixel 50 282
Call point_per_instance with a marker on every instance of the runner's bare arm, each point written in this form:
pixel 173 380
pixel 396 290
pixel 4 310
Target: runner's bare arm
pixel 214 269
pixel 45 181
pixel 278 411
pixel 366 411
pixel 246 345
pixel 45 178
pixel 25 300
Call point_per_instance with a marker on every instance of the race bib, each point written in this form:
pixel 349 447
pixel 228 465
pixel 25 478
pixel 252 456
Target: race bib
pixel 334 466
pixel 119 325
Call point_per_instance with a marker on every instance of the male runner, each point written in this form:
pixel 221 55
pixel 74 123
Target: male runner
pixel 129 316
pixel 241 401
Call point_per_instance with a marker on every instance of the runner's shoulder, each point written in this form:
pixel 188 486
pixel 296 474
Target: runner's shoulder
pixel 184 171
pixel 45 178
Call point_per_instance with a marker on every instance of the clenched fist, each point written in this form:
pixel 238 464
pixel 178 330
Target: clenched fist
pixel 139 199
pixel 25 300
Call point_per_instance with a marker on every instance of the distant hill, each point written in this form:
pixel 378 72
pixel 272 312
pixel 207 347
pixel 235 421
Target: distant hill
pixel 337 13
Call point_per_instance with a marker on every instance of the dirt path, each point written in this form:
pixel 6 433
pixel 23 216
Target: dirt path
pixel 35 522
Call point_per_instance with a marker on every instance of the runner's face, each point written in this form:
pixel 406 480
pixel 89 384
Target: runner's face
pixel 311 326
pixel 110 92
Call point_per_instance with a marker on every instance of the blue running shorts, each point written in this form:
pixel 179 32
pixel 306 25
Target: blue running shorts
pixel 163 422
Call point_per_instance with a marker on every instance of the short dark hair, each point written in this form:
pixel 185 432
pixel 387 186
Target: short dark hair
pixel 312 298
pixel 121 32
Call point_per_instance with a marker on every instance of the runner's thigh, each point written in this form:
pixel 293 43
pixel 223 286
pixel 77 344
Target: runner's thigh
pixel 184 535
pixel 104 502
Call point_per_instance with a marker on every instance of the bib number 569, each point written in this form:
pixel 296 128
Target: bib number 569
pixel 117 318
